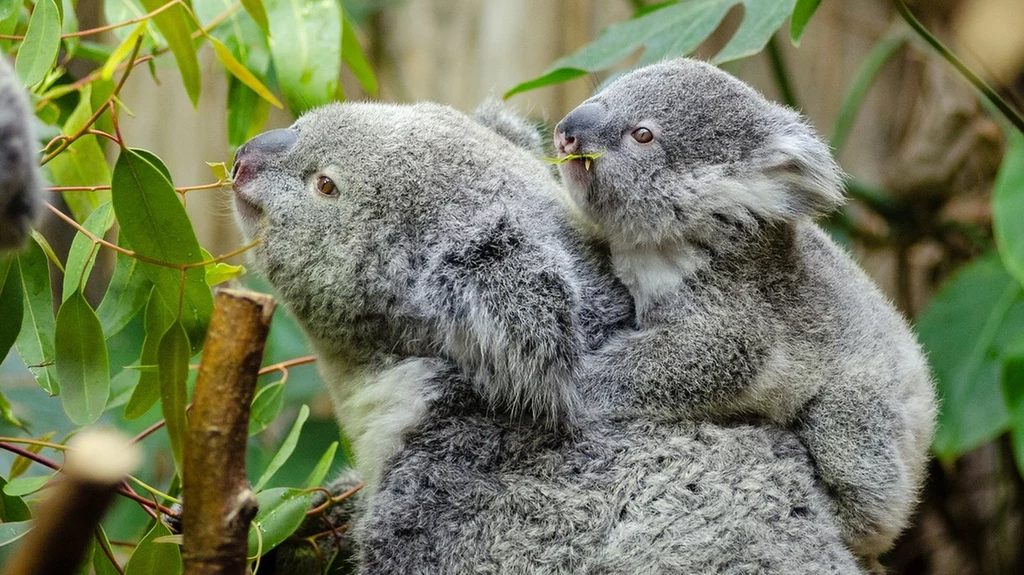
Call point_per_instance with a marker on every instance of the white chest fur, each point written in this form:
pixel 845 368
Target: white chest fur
pixel 376 406
pixel 650 272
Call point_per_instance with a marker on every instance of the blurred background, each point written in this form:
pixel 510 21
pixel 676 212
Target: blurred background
pixel 922 141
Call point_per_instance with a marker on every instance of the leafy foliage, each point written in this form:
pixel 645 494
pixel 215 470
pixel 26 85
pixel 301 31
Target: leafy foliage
pixel 115 359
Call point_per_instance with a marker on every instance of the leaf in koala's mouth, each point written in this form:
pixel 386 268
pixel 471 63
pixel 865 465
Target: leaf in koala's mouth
pixel 587 159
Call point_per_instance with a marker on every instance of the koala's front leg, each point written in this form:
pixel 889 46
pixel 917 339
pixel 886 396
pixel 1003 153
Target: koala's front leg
pixel 854 440
pixel 699 363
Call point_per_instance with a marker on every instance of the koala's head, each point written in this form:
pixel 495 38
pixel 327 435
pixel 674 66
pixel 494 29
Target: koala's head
pixel 413 230
pixel 20 183
pixel 685 150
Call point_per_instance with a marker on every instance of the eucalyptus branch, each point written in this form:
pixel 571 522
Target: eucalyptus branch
pixel 107 28
pixel 99 110
pixel 1011 114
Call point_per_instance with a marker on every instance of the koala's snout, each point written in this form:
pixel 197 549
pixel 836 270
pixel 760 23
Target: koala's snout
pixel 578 125
pixel 268 143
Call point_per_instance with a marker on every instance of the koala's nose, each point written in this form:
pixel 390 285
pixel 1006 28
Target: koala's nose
pixel 267 143
pixel 578 124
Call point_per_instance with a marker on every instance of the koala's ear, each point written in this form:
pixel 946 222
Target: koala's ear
pixel 800 167
pixel 504 120
pixel 509 307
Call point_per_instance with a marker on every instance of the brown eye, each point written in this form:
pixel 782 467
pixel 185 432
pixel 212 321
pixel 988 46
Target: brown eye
pixel 326 186
pixel 643 135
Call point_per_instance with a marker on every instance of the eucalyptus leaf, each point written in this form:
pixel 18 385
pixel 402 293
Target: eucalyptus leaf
pixel 11 303
pixel 173 374
pixel 305 46
pixel 35 343
pixel 354 57
pixel 316 477
pixel 1008 206
pixel 82 255
pixel 13 531
pixel 1012 379
pixel 39 50
pixel 155 223
pixel 965 330
pixel 150 557
pixel 668 30
pixel 126 295
pixel 242 73
pixel 286 449
pixel 82 163
pixel 176 26
pixel 12 507
pixel 265 407
pixel 26 485
pixel 281 511
pixel 157 320
pixel 81 359
pixel 801 16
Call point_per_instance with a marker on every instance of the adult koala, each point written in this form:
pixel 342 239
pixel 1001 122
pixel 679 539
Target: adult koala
pixel 20 183
pixel 452 305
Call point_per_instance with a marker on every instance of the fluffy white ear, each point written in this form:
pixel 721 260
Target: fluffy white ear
pixel 801 167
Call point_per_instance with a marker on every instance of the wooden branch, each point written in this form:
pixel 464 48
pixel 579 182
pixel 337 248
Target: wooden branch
pixel 97 461
pixel 218 503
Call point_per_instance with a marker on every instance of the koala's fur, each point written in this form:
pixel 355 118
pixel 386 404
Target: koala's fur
pixel 746 306
pixel 454 310
pixel 20 183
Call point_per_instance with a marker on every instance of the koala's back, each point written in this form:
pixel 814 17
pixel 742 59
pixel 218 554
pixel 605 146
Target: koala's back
pixel 469 493
pixel 20 184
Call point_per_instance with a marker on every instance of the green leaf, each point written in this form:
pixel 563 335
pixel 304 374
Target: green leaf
pixel 247 113
pixel 316 477
pixel 965 330
pixel 42 41
pixel 259 14
pixel 176 26
pixel 12 507
pixel 81 357
pixel 801 16
pixel 305 46
pixel 281 512
pixel 82 163
pixel 354 57
pixel 11 304
pixel 12 531
pixel 126 295
pixel 123 50
pixel 82 255
pixel 151 557
pixel 1013 391
pixel 157 320
pixel 100 562
pixel 173 372
pixel 669 30
pixel 1008 206
pixel 7 412
pixel 35 343
pixel 286 449
pixel 242 73
pixel 154 222
pixel 25 485
pixel 265 407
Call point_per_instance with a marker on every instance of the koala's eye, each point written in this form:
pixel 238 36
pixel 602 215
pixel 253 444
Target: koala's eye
pixel 643 135
pixel 326 186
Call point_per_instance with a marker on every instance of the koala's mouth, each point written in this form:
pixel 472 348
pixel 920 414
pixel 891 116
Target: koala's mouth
pixel 246 208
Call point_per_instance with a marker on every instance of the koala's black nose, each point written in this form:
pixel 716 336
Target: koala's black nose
pixel 582 120
pixel 267 143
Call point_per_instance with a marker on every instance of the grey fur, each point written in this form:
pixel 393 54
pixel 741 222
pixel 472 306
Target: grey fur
pixel 453 307
pixel 747 308
pixel 20 183
pixel 504 120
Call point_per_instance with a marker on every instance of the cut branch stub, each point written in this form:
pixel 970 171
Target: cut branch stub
pixel 218 501
pixel 97 461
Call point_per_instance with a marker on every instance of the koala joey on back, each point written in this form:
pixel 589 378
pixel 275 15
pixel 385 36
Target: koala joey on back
pixel 705 192
pixel 454 309
pixel 20 183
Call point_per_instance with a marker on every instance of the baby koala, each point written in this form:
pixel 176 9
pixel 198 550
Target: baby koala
pixel 705 192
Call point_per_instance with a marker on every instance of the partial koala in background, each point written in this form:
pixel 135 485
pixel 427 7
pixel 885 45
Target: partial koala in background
pixel 454 308
pixel 20 182
pixel 705 192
